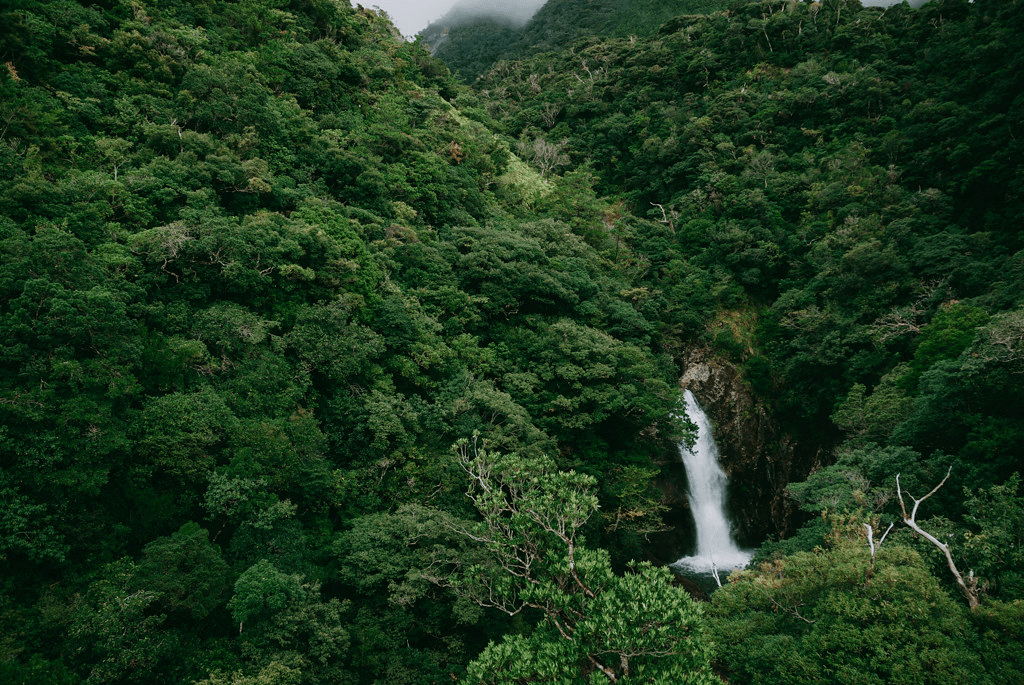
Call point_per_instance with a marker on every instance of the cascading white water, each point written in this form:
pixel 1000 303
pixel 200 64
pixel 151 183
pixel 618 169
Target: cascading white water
pixel 716 549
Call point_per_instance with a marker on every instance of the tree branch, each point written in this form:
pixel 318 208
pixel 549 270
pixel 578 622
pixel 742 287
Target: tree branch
pixel 871 541
pixel 968 586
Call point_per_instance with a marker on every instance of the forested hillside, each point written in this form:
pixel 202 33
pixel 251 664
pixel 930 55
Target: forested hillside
pixel 470 46
pixel 845 184
pixel 321 366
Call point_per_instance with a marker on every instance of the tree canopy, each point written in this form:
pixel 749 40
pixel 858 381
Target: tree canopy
pixel 263 262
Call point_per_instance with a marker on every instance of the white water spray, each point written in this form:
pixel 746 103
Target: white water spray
pixel 716 550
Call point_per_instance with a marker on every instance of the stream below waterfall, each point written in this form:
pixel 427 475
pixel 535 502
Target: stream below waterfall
pixel 716 549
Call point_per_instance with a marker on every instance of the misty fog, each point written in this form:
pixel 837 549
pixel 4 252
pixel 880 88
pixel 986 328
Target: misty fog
pixel 516 12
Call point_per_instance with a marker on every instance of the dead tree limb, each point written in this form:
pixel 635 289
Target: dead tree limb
pixel 968 586
pixel 665 218
pixel 871 540
pixel 714 573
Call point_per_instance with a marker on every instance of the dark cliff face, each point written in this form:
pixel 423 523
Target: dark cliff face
pixel 758 458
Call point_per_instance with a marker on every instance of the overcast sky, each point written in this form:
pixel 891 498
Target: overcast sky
pixel 412 16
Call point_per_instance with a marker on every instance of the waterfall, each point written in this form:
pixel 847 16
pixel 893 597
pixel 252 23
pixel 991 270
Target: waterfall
pixel 707 484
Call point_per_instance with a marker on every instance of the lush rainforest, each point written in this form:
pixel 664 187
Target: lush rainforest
pixel 470 44
pixel 320 364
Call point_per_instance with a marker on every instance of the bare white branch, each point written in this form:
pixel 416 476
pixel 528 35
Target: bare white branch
pixel 871 540
pixel 968 586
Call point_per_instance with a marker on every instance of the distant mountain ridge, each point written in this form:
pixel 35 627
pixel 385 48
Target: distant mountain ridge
pixel 471 47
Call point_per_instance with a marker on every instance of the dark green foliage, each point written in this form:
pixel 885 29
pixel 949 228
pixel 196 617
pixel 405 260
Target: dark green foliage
pixel 471 46
pixel 186 570
pixel 831 171
pixel 261 263
pixel 781 147
pixel 632 628
pixel 993 541
pixel 282 620
pixel 831 615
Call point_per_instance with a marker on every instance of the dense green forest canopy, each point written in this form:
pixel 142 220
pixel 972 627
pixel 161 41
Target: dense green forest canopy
pixel 470 45
pixel 263 263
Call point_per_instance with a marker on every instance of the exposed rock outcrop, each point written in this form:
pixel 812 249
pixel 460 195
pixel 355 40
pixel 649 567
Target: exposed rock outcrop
pixel 758 458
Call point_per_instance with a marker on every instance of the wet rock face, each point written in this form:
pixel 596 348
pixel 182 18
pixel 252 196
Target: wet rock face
pixel 759 460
